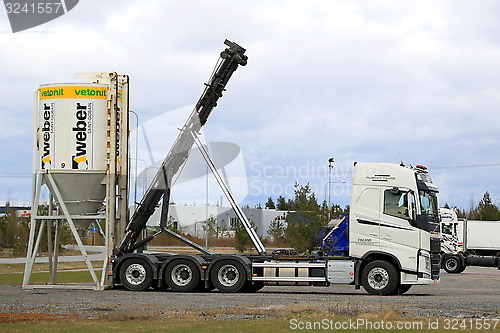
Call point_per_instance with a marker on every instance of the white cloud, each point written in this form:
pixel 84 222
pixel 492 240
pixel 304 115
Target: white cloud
pixel 365 80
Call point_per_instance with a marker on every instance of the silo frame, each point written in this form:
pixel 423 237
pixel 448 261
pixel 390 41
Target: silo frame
pixel 117 191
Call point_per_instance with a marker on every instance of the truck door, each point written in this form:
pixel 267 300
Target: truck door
pixel 364 228
pixel 397 235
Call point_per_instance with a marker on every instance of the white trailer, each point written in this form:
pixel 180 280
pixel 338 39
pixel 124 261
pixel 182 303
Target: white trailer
pixel 468 242
pixel 482 237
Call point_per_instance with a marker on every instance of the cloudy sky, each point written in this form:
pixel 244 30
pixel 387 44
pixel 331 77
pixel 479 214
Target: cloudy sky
pixel 368 81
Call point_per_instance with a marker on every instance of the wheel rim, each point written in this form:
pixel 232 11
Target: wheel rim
pixel 378 278
pixel 228 275
pixel 181 275
pixel 451 264
pixel 135 274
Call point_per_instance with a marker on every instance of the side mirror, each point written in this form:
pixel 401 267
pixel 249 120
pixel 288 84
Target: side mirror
pixel 411 206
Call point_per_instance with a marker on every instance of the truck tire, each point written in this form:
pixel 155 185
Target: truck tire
pixel 453 265
pixel 228 276
pixel 252 287
pixel 402 288
pixel 380 278
pixel 136 274
pixel 182 275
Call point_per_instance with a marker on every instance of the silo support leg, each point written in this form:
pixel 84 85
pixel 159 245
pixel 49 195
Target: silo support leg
pixel 53 186
pixel 30 258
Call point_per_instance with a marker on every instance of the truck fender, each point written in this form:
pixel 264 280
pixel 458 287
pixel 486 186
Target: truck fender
pixel 462 259
pixel 198 260
pixel 244 261
pixel 369 257
pixel 150 259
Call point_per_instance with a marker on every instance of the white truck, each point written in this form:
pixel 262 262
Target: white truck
pixel 468 242
pixel 392 235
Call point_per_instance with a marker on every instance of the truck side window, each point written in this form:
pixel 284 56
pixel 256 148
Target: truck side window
pixel 396 204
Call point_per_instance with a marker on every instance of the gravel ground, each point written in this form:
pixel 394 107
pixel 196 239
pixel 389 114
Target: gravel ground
pixel 473 293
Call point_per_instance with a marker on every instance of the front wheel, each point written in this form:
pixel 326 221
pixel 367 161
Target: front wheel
pixel 253 287
pixel 402 288
pixel 228 276
pixel 453 265
pixel 136 274
pixel 380 278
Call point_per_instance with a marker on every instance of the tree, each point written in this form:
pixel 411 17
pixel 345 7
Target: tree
pixel 486 210
pixel 270 203
pixel 306 221
pixel 173 225
pixel 281 203
pixel 277 229
pixel 241 237
pixel 212 226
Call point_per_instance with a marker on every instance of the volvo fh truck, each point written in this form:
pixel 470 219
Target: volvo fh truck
pixel 392 238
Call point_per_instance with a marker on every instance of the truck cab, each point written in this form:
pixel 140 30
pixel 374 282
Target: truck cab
pixel 394 217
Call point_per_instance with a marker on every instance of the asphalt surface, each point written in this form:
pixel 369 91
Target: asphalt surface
pixel 472 294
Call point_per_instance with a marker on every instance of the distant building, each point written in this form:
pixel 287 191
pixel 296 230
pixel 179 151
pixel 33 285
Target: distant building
pixel 192 218
pixel 20 210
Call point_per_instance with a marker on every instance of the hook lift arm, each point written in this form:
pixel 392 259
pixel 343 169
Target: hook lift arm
pixel 232 57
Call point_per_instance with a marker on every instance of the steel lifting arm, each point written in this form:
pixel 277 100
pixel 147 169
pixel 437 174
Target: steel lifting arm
pixel 232 57
pixel 237 209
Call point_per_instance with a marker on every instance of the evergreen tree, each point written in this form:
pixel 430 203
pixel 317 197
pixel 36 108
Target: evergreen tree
pixel 241 237
pixel 277 229
pixel 270 203
pixel 212 226
pixel 485 210
pixel 281 203
pixel 306 221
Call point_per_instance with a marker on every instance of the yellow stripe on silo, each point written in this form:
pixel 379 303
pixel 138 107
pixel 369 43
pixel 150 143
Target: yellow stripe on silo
pixel 74 92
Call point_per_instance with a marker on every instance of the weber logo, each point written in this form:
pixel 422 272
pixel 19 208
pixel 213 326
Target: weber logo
pixel 83 135
pixel 47 125
pixel 26 14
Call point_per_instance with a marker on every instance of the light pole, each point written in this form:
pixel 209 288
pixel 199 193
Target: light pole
pixel 324 190
pixel 330 167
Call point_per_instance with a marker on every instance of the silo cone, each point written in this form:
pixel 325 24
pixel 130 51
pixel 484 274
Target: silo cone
pixel 83 193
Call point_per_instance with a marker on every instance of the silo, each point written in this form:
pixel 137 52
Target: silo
pixel 72 142
pixel 80 153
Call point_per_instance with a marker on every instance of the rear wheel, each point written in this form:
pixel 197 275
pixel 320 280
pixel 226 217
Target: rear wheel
pixel 182 275
pixel 453 265
pixel 380 278
pixel 228 276
pixel 136 274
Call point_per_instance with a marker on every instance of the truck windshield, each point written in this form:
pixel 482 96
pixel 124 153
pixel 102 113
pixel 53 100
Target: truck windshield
pixel 429 203
pixel 447 229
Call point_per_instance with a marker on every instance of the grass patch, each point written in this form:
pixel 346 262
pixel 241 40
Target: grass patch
pixel 271 325
pixel 43 278
pixel 19 268
pixel 215 320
